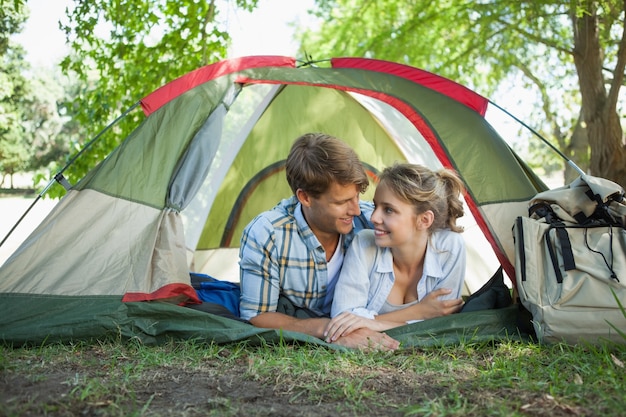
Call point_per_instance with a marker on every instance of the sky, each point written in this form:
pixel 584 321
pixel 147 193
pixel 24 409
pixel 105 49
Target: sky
pixel 267 30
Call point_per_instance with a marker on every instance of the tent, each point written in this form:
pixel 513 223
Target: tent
pixel 115 254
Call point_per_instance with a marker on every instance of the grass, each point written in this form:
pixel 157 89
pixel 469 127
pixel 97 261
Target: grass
pixel 18 192
pixel 188 378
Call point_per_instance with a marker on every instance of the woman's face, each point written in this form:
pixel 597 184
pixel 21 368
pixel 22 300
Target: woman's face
pixel 395 222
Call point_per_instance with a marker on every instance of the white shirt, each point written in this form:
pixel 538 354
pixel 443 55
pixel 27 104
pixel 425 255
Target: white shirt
pixel 334 267
pixel 367 276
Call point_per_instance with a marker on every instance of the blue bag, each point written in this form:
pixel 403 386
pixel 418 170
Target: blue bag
pixel 212 290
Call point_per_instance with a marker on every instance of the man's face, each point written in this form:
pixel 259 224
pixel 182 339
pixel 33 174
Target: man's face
pixel 332 212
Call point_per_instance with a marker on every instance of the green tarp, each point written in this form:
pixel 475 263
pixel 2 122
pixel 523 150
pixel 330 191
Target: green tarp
pixel 71 319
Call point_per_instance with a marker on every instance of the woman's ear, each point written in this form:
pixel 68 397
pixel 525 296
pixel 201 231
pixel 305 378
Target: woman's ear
pixel 425 220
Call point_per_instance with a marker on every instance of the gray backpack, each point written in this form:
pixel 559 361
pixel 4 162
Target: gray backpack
pixel 570 265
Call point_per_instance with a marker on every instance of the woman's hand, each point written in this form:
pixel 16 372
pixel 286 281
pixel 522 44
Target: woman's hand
pixel 346 323
pixel 431 306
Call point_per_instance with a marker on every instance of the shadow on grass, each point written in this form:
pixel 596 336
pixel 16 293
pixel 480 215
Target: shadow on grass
pixel 18 192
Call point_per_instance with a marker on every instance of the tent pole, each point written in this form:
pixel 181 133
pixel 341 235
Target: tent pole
pixel 92 141
pixel 59 176
pixel 534 132
pixel 20 219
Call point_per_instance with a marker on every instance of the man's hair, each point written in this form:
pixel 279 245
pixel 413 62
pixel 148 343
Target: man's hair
pixel 316 160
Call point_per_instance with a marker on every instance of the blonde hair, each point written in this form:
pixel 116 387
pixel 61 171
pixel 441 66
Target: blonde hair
pixel 316 160
pixel 438 191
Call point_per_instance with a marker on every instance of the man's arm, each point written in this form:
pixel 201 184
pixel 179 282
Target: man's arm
pixel 274 320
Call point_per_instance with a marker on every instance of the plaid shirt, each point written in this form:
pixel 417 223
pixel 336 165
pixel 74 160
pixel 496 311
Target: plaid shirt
pixel 279 254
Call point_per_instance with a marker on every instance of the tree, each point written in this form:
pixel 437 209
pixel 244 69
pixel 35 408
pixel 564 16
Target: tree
pixel 33 133
pixel 571 53
pixel 124 49
pixel 49 131
pixel 14 88
pixel 12 18
pixel 594 33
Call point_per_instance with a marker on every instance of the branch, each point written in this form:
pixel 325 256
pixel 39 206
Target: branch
pixel 536 38
pixel 208 18
pixel 546 102
pixel 618 72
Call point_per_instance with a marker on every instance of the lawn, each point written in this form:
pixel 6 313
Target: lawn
pixel 190 378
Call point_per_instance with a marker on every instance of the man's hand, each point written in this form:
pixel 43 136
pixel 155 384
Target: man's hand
pixel 367 339
pixel 346 323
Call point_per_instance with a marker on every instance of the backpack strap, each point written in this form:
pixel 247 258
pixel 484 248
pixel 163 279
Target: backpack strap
pixel 544 210
pixel 602 213
pixel 566 246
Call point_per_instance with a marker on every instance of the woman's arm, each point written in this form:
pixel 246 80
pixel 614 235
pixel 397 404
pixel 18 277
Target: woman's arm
pixel 429 307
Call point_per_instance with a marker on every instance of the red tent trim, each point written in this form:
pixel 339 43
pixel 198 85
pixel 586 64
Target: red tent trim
pixel 435 82
pixel 173 89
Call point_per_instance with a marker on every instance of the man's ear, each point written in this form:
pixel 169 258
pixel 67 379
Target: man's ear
pixel 303 197
pixel 425 219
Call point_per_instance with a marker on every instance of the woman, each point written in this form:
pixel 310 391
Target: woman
pixel 412 265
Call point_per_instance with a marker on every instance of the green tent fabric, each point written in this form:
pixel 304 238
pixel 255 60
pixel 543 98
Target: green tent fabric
pixel 74 319
pixel 209 154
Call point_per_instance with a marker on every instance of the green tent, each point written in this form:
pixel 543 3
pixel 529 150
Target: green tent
pixel 115 254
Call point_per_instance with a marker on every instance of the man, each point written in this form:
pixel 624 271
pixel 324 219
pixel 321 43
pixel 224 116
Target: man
pixel 290 256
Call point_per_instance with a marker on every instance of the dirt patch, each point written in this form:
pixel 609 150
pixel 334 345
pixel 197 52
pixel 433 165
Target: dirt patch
pixel 94 385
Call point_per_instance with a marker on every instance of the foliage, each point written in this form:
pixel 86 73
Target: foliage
pixel 31 127
pixel 486 44
pixel 124 49
pixel 14 88
pixel 12 18
pixel 47 129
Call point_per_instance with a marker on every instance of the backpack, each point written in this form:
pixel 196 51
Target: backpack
pixel 570 262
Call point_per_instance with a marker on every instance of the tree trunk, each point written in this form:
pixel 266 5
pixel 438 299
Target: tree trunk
pixel 599 114
pixel 577 151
